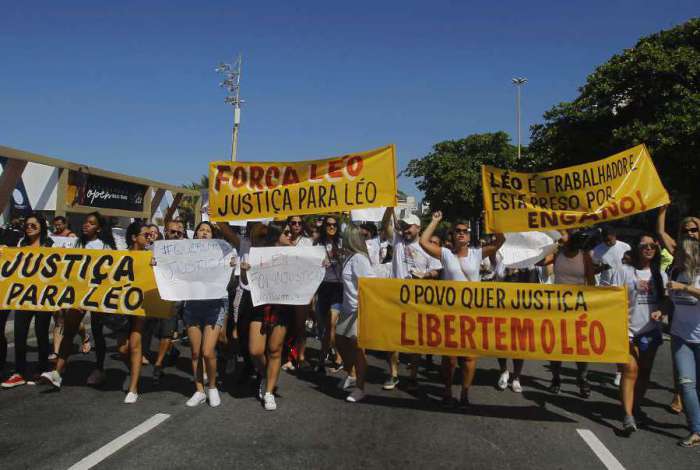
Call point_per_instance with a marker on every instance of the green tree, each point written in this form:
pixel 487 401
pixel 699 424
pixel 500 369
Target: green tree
pixel 647 94
pixel 450 176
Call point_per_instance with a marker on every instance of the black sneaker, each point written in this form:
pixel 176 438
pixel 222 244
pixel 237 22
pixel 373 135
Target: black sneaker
pixel 555 386
pixel 584 387
pixel 628 426
pixel 157 374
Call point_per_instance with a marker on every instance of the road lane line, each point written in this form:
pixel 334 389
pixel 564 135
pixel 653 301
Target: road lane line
pixel 605 456
pixel 111 447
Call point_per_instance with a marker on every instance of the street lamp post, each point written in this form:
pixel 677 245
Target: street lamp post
pixel 232 84
pixel 518 82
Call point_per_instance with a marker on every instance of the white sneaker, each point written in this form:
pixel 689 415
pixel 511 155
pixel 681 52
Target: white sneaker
pixel 618 379
pixel 269 402
pixel 356 395
pixel 348 383
pixel 213 396
pixel 197 399
pixel 96 377
pixel 516 387
pixel 503 380
pixel 262 388
pixel 131 397
pixel 53 378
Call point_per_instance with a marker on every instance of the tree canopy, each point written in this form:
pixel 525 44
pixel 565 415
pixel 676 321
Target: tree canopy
pixel 647 94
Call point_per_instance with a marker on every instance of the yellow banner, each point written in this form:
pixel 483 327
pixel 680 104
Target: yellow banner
pixel 499 319
pixel 107 281
pixel 615 187
pixel 250 190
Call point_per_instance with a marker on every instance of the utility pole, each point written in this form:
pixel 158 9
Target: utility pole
pixel 518 82
pixel 232 84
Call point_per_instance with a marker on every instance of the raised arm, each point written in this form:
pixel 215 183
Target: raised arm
pixel 493 247
pixel 432 250
pixel 229 234
pixel 666 239
pixel 387 227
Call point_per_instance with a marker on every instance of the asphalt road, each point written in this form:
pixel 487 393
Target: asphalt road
pixel 314 427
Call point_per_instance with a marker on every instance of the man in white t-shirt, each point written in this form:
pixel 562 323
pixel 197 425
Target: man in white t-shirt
pixel 409 261
pixel 607 256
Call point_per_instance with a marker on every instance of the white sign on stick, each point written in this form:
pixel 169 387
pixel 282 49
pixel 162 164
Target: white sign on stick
pixel 372 214
pixel 285 275
pixel 523 249
pixel 192 269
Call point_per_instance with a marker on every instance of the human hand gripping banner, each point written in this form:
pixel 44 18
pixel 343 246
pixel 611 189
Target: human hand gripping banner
pixel 106 281
pixel 618 186
pixel 498 319
pixel 248 190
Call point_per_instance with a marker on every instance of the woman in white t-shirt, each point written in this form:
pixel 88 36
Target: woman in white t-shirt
pixel 301 312
pixel 684 291
pixel 645 283
pixel 355 266
pixel 462 263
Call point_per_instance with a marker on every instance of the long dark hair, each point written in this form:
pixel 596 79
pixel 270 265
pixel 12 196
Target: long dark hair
pixel 214 231
pixel 654 266
pixel 323 236
pixel 274 232
pixel 44 239
pixel 104 234
pixel 133 230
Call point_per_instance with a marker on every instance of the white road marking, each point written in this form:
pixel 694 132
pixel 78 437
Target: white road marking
pixel 605 456
pixel 111 447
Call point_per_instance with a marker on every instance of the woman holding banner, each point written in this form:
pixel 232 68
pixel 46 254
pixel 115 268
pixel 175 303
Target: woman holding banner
pixel 572 265
pixel 268 328
pixel 138 238
pixel 645 283
pixel 689 228
pixel 330 293
pixel 462 263
pixel 96 234
pixel 36 235
pixel 204 320
pixel 356 265
pixel 684 290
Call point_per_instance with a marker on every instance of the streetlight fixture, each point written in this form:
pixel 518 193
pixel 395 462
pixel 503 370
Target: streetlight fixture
pixel 232 84
pixel 518 82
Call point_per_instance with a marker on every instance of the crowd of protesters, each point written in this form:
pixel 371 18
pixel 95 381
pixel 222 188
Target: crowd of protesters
pixel 661 273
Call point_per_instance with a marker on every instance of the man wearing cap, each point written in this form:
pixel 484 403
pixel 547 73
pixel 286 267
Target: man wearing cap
pixel 408 261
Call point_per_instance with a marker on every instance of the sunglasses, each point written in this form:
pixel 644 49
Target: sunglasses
pixel 648 246
pixel 294 222
pixel 31 226
pixel 464 231
pixel 176 233
pixel 690 230
pixel 331 225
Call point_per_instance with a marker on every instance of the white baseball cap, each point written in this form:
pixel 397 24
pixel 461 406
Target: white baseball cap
pixel 411 219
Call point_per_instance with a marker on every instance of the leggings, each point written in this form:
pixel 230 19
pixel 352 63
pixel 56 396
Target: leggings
pixel 42 320
pixel 556 369
pixel 3 340
pixel 97 327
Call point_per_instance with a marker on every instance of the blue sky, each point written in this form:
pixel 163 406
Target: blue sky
pixel 130 86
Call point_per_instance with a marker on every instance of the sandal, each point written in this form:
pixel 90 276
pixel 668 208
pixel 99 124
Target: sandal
pixel 676 406
pixel 86 347
pixel 693 440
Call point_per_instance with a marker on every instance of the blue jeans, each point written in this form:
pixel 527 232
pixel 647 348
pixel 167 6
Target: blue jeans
pixel 687 357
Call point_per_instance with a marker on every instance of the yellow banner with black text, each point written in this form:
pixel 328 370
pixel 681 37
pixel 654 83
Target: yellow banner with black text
pixel 498 319
pixel 618 186
pixel 106 281
pixel 250 190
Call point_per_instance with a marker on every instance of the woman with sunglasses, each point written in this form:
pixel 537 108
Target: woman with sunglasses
pixel 462 263
pixel 204 320
pixel 645 283
pixel 35 235
pixel 684 291
pixel 268 328
pixel 139 237
pixel 330 293
pixel 301 312
pixel 689 228
pixel 96 234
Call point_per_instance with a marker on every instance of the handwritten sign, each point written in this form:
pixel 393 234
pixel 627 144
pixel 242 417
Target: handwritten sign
pixel 63 242
pixel 192 269
pixel 285 275
pixel 106 281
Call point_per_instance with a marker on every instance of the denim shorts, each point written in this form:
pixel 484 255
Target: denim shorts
pixel 201 313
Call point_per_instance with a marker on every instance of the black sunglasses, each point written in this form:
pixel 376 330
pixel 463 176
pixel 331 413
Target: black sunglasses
pixel 651 246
